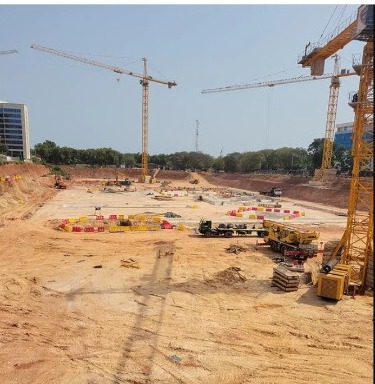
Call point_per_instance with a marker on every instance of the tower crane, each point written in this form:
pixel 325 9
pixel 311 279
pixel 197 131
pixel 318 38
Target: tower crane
pixel 196 135
pixel 8 52
pixel 331 112
pixel 357 241
pixel 144 81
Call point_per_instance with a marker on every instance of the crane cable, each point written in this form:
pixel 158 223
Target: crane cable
pixel 328 22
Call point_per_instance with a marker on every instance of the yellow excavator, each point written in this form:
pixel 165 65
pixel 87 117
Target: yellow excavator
pixel 59 182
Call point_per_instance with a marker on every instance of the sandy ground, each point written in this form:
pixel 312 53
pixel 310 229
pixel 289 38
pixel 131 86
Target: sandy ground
pixel 72 313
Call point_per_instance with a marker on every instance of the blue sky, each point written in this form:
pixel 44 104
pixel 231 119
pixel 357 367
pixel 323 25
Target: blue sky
pixel 199 46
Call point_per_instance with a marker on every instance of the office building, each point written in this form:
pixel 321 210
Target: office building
pixel 344 135
pixel 14 130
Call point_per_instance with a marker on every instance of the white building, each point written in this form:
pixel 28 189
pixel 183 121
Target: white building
pixel 14 130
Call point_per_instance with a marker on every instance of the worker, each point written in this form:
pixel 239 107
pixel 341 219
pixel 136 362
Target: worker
pixel 355 98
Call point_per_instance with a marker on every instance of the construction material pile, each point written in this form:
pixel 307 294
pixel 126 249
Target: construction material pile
pixel 235 248
pixel 230 275
pixel 285 279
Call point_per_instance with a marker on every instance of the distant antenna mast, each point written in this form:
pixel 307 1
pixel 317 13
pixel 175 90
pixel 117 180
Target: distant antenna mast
pixel 196 135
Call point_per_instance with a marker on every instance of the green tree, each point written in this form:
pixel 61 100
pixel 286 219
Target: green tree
pixel 341 157
pixel 231 162
pixel 218 164
pixel 46 151
pixel 3 149
pixel 249 162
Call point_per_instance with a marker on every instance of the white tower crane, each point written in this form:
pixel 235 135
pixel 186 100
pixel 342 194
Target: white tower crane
pixel 332 105
pixel 145 79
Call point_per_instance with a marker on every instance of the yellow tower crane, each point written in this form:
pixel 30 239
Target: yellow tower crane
pixel 357 240
pixel 145 79
pixel 331 112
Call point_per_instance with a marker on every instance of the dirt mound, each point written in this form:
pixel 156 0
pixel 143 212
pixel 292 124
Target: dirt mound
pixel 231 275
pixel 26 187
pixel 293 187
pixel 122 173
pixel 100 172
pixel 173 175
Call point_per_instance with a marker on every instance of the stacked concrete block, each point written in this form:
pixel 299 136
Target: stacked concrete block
pixel 285 279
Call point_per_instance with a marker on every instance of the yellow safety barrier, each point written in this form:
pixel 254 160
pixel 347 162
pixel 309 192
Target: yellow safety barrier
pixel 116 228
pixel 72 220
pixel 195 206
pixel 141 218
pixel 260 208
pixel 121 217
pixel 68 228
pixel 239 215
pixel 131 217
pixel 252 216
pixel 287 217
pixel 156 219
pixel 154 228
pixel 83 219
pixel 181 227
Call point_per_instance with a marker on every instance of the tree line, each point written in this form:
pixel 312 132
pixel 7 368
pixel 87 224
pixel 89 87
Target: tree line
pixel 286 159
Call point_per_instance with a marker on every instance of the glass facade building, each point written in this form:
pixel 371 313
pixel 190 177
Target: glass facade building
pixel 14 130
pixel 344 135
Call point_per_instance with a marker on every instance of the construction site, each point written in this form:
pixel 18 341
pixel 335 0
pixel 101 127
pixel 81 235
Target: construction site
pixel 170 276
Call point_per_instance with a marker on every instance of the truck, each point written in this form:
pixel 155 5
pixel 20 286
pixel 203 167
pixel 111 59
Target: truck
pixel 274 192
pixel 290 241
pixel 229 230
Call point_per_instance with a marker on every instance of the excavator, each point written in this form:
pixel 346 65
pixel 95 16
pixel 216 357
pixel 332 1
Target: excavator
pixel 59 182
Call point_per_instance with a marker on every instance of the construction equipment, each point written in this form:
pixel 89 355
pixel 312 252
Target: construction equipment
pixel 334 284
pixel 59 182
pixel 290 241
pixel 229 230
pixel 119 183
pixel 274 192
pixel 145 79
pixel 320 174
pixel 195 181
pixel 357 240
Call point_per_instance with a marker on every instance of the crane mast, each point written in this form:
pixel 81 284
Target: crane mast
pixel 145 79
pixel 144 83
pixel 196 135
pixel 330 122
pixel 331 113
pixel 357 240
